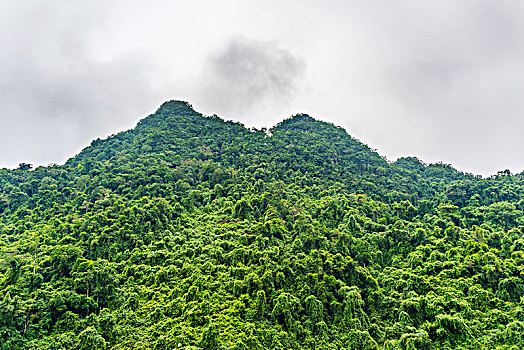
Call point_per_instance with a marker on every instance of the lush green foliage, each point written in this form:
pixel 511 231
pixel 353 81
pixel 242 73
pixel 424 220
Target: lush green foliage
pixel 192 232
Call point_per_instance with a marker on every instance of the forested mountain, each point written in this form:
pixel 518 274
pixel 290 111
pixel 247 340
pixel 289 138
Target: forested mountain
pixel 192 232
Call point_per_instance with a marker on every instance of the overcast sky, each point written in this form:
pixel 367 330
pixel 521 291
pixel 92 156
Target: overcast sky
pixel 440 80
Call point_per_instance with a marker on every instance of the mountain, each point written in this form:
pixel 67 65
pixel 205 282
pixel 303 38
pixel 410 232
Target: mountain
pixel 193 232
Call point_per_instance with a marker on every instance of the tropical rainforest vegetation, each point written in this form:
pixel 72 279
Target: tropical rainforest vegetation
pixel 191 232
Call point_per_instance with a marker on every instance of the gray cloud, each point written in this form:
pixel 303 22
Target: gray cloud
pixel 248 74
pixel 445 78
pixel 55 94
pixel 441 80
pixel 458 80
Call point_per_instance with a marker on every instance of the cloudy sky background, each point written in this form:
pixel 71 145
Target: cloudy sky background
pixel 440 80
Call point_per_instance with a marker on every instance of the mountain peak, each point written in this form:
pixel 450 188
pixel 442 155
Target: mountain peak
pixel 177 106
pixel 297 121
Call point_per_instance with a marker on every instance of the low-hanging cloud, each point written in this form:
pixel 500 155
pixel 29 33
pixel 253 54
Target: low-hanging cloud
pixel 248 74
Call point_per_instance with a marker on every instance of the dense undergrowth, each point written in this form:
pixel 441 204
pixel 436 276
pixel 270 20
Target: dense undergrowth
pixel 192 232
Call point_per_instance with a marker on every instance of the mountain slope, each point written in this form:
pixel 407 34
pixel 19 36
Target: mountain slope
pixel 195 231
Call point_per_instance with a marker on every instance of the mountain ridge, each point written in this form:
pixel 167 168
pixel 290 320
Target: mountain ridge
pixel 193 232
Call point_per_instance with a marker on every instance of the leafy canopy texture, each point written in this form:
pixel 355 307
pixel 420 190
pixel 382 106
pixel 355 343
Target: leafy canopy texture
pixel 191 232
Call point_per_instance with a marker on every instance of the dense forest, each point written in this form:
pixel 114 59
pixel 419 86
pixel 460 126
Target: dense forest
pixel 191 232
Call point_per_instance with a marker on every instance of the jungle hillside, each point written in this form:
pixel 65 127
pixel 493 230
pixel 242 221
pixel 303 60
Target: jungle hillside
pixel 192 232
